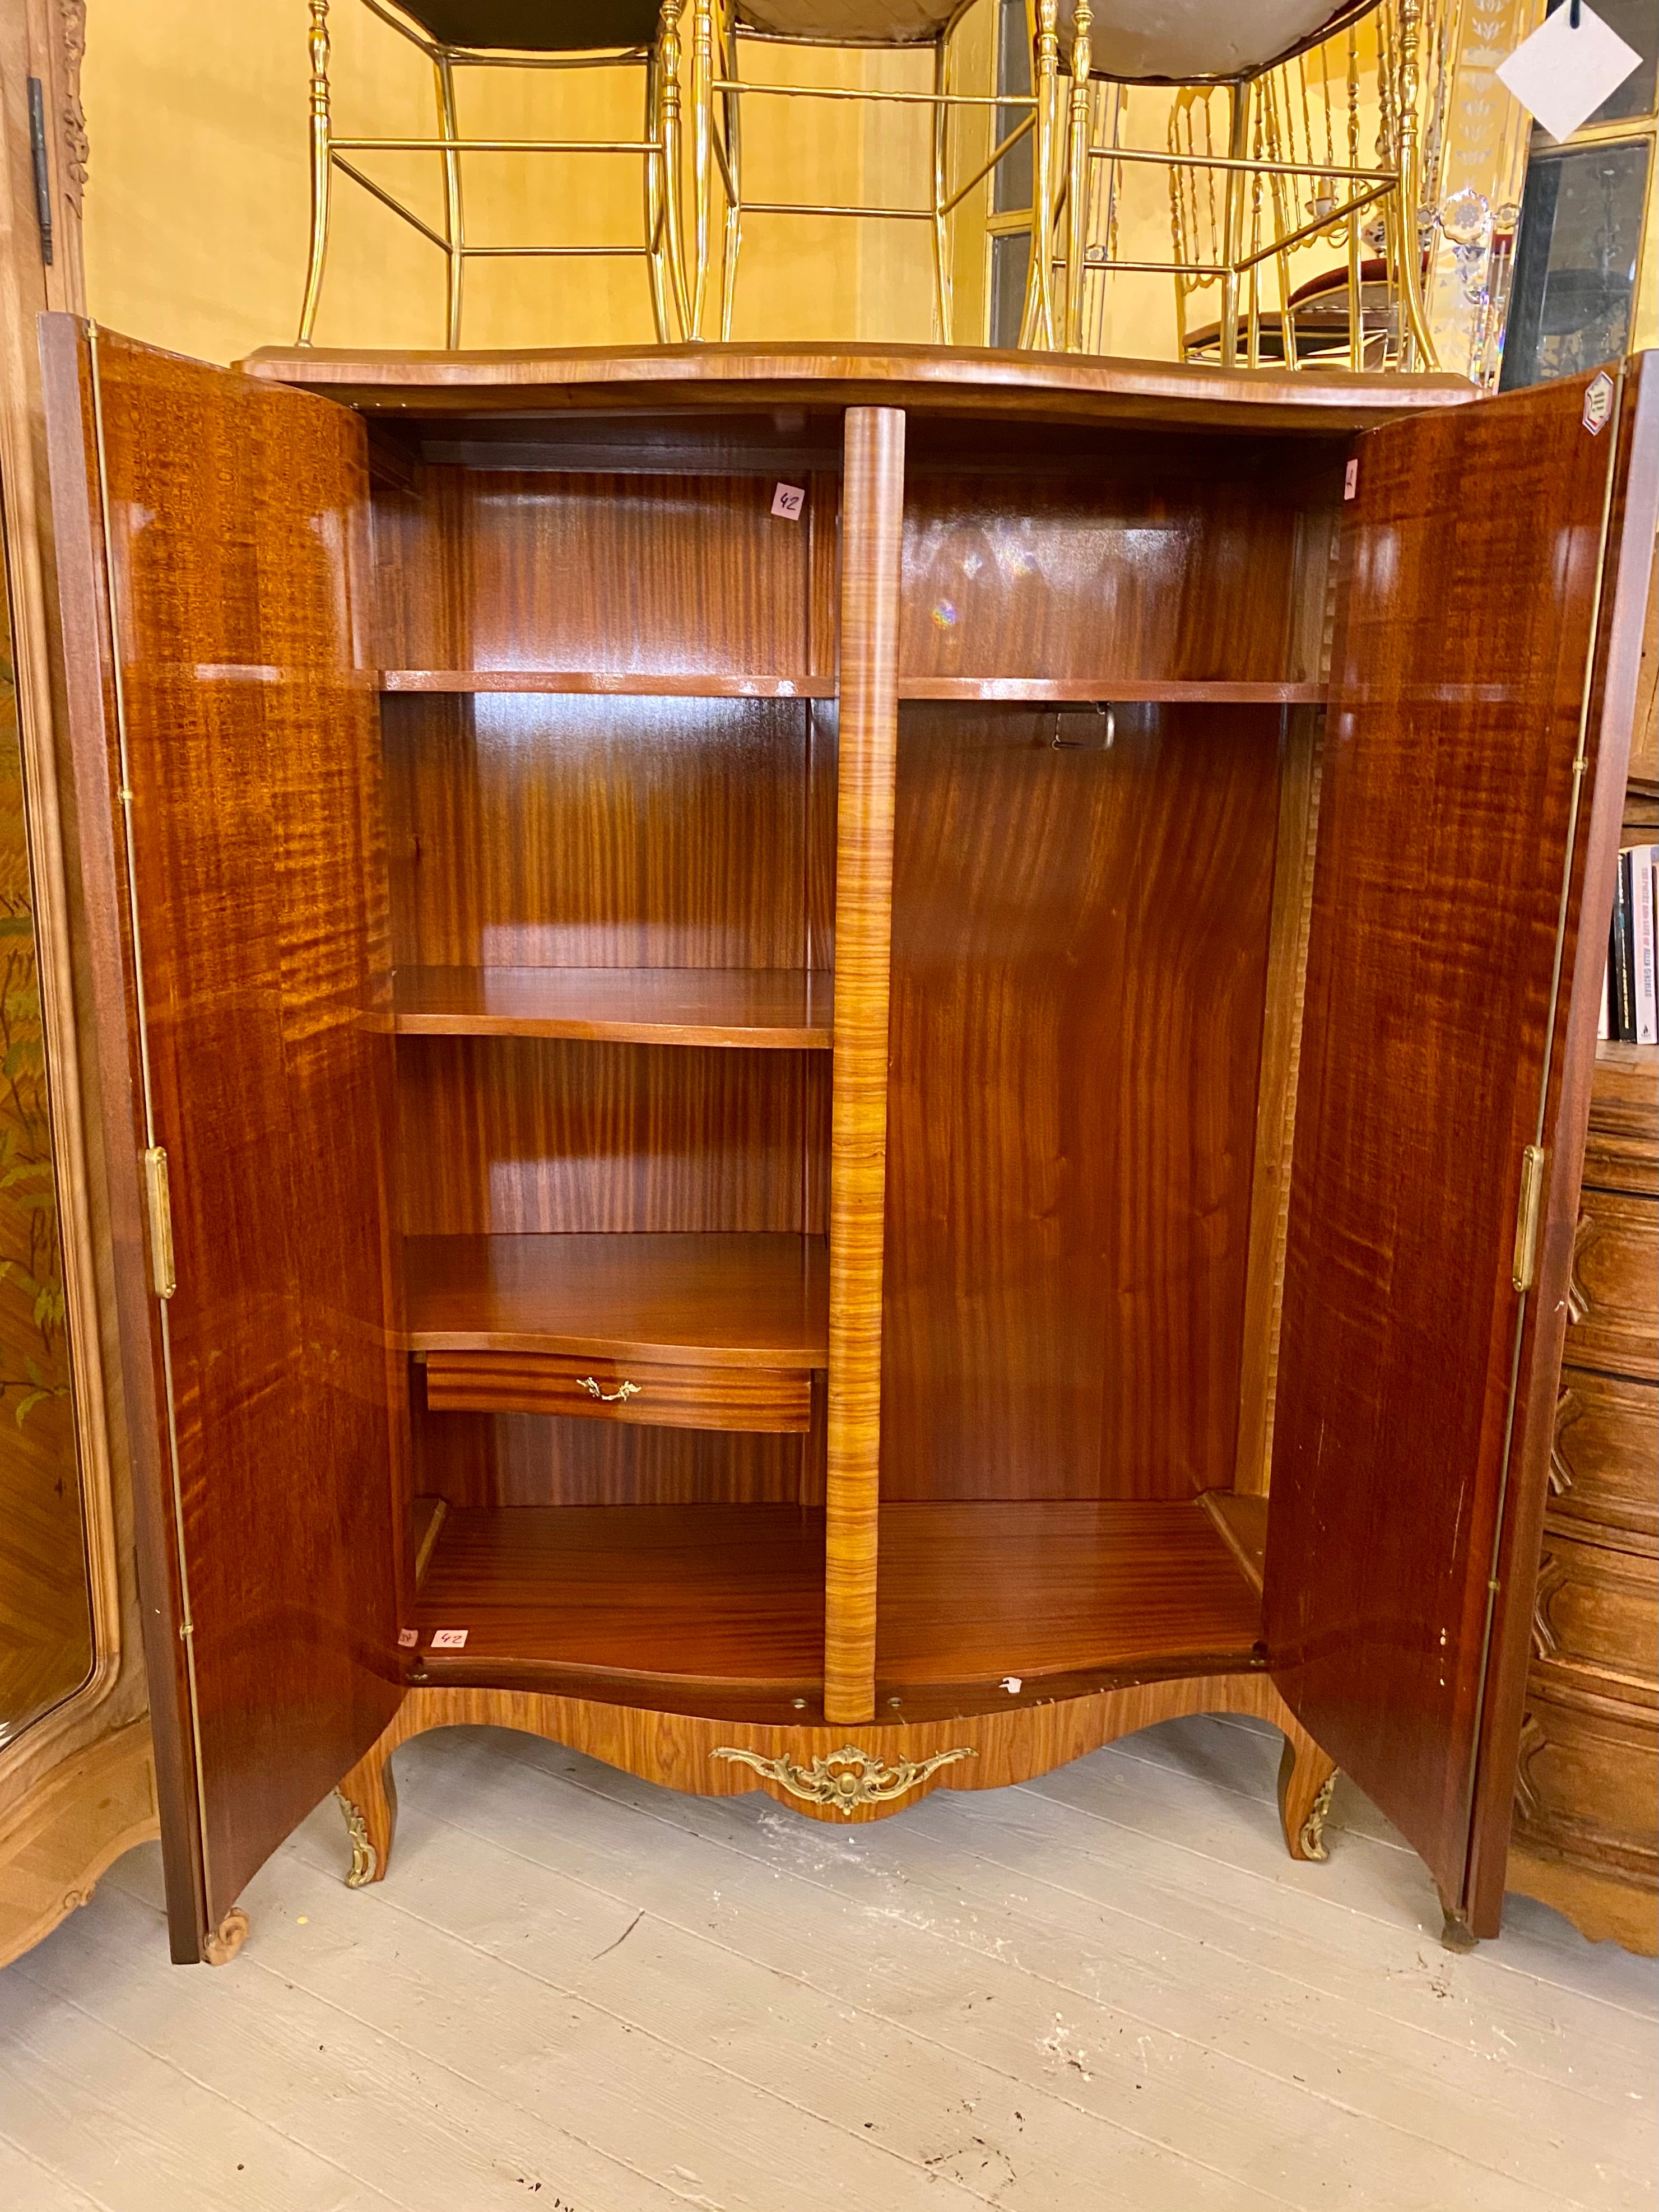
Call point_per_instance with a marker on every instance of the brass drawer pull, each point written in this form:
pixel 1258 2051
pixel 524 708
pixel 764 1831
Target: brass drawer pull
pixel 608 1397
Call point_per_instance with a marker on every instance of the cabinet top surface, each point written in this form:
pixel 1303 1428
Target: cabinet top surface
pixel 937 379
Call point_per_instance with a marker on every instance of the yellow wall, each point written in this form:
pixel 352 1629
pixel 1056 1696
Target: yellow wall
pixel 198 206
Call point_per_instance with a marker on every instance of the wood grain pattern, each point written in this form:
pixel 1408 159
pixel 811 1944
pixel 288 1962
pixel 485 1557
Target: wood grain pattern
pixel 1241 1520
pixel 874 499
pixel 511 1135
pixel 1597 1614
pixel 729 1598
pixel 675 1749
pixel 1622 1150
pixel 652 1393
pixel 1106 684
pixel 1156 570
pixel 253 763
pixel 1603 1907
pixel 57 1840
pixel 963 379
pixel 594 833
pixel 723 1301
pixel 630 576
pixel 1604 1464
pixel 1613 1301
pixel 1436 894
pixel 760 1009
pixel 973 1593
pixel 1079 962
pixel 610 684
pixel 506 1460
pixel 1301 743
pixel 1587 1786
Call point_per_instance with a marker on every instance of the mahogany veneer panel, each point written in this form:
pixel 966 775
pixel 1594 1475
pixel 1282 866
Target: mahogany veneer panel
pixel 1448 810
pixel 525 1459
pixel 682 1595
pixel 643 1393
pixel 590 832
pixel 658 684
pixel 973 381
pixel 497 569
pixel 722 1300
pixel 1095 580
pixel 1104 684
pixel 780 1008
pixel 1079 975
pixel 255 822
pixel 971 1593
pixel 510 1135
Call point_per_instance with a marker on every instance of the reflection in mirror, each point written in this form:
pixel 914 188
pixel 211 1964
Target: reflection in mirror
pixel 45 1605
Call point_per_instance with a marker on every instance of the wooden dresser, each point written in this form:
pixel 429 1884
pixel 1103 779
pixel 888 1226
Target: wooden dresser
pixel 1587 1799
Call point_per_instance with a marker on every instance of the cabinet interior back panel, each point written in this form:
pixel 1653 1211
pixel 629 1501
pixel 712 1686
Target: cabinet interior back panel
pixel 621 574
pixel 526 1459
pixel 503 1136
pixel 573 832
pixel 1079 975
pixel 1082 578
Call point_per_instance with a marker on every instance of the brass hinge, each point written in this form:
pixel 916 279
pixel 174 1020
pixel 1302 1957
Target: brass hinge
pixel 1527 1218
pixel 156 1190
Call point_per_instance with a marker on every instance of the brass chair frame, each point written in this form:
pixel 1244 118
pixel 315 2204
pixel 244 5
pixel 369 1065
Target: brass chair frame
pixel 1242 170
pixel 658 147
pixel 718 90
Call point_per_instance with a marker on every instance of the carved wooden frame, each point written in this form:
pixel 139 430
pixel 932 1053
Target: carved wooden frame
pixel 95 1743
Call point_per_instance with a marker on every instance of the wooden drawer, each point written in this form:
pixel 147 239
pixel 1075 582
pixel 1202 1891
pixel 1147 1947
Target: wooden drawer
pixel 1588 1784
pixel 1604 1464
pixel 659 1394
pixel 1597 1611
pixel 1614 1298
pixel 1622 1151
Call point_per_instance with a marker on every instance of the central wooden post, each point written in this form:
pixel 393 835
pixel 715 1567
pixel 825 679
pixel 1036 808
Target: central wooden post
pixel 872 505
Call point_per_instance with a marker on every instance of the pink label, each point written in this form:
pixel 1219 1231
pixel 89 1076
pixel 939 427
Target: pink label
pixel 788 501
pixel 448 1639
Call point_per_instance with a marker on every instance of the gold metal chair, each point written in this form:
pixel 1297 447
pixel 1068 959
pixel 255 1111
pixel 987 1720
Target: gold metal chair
pixel 720 28
pixel 1129 52
pixel 454 36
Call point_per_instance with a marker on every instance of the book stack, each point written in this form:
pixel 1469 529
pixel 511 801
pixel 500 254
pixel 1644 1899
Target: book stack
pixel 1630 1008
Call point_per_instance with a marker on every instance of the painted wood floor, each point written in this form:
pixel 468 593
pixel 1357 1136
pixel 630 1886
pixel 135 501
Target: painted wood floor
pixel 1107 1989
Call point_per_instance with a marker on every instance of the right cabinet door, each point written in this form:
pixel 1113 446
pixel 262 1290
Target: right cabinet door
pixel 1495 563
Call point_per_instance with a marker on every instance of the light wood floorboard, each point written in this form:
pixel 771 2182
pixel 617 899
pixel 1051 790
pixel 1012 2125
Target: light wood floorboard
pixel 1108 1987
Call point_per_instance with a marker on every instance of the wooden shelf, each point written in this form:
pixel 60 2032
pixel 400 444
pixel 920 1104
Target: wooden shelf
pixel 969 1594
pixel 760 1008
pixel 621 683
pixel 1036 690
pixel 713 1300
pixel 984 689
pixel 731 1597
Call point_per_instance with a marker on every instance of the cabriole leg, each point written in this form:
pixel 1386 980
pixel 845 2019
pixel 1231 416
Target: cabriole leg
pixel 1306 1779
pixel 368 1800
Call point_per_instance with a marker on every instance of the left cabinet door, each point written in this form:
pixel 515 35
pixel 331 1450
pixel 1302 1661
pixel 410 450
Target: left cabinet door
pixel 223 724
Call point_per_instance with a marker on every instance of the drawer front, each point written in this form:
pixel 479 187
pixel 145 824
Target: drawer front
pixel 1599 1610
pixel 657 1394
pixel 1614 1299
pixel 1604 1463
pixel 1588 1784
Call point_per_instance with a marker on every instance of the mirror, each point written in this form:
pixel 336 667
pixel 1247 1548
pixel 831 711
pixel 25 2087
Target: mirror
pixel 45 1597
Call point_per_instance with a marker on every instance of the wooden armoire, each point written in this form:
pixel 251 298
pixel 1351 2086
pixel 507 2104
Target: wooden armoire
pixel 836 1071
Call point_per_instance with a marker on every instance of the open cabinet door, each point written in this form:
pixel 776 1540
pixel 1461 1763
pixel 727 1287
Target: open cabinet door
pixel 227 786
pixel 1494 565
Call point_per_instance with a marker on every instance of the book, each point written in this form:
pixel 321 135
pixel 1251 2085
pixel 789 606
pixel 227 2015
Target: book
pixel 1642 944
pixel 1622 975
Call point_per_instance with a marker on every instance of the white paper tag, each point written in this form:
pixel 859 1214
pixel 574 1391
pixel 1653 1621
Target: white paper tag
pixel 1562 75
pixel 788 501
pixel 448 1639
pixel 408 1638
pixel 1351 479
pixel 1598 404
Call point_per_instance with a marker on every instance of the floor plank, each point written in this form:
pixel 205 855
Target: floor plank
pixel 578 1990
